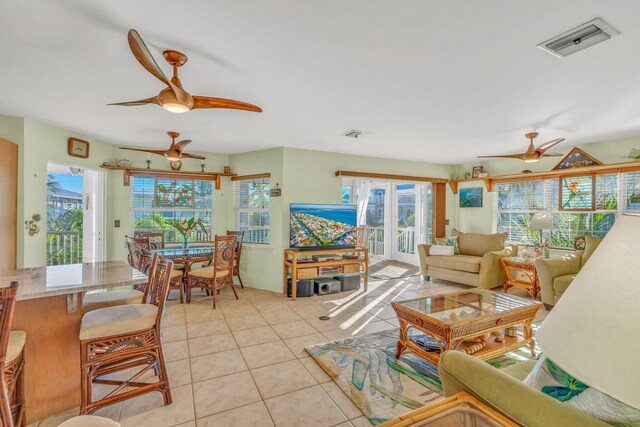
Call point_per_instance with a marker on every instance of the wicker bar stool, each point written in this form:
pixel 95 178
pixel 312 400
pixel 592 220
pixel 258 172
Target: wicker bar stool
pixel 12 411
pixel 220 274
pixel 238 252
pixel 126 338
pixel 89 421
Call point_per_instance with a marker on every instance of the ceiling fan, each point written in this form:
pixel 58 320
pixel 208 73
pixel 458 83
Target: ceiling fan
pixel 174 153
pixel 532 154
pixel 174 98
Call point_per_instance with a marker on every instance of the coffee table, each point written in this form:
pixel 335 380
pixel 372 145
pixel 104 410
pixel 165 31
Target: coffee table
pixel 454 319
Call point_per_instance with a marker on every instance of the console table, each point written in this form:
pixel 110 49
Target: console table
pixel 293 263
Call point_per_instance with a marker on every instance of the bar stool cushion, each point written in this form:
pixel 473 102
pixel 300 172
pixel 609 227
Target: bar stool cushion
pixel 176 274
pixel 119 320
pixel 207 273
pixel 16 344
pixel 97 300
pixel 89 421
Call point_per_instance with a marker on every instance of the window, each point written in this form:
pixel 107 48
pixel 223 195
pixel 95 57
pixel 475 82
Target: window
pixel 251 201
pixel 156 200
pixel 516 202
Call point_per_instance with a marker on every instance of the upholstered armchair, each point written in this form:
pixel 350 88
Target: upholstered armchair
pixel 556 274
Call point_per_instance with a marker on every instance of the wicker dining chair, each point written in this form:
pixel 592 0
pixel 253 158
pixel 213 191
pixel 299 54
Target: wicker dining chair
pixel 220 274
pixel 238 252
pixel 12 410
pixel 123 339
pixel 177 278
pixel 156 239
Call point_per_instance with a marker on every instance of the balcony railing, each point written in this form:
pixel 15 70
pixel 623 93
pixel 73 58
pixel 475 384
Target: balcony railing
pixel 64 248
pixel 406 240
pixel 376 241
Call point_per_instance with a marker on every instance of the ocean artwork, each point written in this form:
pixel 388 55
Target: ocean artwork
pixel 322 225
pixel 471 197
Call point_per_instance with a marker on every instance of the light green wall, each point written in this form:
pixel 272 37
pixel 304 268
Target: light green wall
pixel 480 220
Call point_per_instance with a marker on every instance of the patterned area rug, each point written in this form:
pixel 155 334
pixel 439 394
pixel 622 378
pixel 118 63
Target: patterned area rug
pixel 365 368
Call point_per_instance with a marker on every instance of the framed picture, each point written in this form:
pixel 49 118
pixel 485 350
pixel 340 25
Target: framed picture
pixel 471 197
pixel 78 148
pixel 579 243
pixel 577 193
pixel 577 158
pixel 477 170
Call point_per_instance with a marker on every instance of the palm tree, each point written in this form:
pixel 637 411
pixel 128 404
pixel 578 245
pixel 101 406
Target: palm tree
pixel 53 186
pixel 259 195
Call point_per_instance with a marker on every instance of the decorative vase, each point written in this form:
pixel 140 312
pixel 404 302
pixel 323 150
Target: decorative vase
pixel 185 242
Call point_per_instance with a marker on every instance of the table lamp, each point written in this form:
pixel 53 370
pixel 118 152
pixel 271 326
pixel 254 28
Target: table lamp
pixel 542 221
pixel 592 332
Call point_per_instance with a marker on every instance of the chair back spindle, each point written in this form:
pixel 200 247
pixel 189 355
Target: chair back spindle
pixel 7 306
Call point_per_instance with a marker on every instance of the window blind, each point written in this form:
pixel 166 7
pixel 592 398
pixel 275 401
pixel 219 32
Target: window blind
pixel 251 203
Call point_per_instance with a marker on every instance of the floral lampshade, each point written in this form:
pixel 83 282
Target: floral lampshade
pixel 593 332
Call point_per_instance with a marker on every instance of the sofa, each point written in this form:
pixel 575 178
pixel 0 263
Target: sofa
pixel 477 265
pixel 503 390
pixel 556 274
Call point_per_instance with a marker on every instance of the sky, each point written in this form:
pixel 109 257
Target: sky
pixel 69 182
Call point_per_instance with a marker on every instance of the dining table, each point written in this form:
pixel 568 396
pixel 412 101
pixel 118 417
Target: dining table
pixel 49 309
pixel 187 256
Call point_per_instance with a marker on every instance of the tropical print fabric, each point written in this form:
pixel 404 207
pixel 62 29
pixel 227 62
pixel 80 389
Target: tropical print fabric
pixel 550 379
pixel 449 241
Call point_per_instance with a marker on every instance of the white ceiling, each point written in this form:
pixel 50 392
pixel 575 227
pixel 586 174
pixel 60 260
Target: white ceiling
pixel 436 81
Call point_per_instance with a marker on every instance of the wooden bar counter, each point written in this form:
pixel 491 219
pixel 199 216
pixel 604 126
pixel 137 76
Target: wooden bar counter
pixel 49 309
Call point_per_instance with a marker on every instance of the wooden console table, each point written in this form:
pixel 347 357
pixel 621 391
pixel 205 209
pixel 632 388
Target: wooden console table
pixel 291 261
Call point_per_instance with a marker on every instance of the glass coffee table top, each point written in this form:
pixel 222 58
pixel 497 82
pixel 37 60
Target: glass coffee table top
pixel 461 306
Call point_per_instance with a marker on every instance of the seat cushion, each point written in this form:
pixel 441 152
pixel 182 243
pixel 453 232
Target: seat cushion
pixel 478 244
pixel 176 274
pixel 207 272
pixel 561 283
pixel 520 370
pixel 16 344
pixel 97 300
pixel 466 263
pixel 119 320
pixel 89 421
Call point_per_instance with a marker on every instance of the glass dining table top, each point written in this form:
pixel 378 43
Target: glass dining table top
pixel 182 253
pixel 461 306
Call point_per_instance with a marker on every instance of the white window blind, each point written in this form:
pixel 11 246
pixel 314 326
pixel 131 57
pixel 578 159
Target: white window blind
pixel 156 200
pixel 251 202
pixel 516 202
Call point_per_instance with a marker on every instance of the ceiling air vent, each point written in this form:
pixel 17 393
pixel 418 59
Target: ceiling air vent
pixel 354 134
pixel 579 38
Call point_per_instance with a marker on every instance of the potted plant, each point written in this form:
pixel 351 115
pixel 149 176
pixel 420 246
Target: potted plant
pixel 186 227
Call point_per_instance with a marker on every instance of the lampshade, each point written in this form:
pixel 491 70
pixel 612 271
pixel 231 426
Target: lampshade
pixel 541 221
pixel 593 332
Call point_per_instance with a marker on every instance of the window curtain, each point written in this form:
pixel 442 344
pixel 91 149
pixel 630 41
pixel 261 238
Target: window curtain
pixel 362 189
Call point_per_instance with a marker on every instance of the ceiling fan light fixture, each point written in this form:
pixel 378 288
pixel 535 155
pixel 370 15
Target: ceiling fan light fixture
pixel 175 107
pixel 530 160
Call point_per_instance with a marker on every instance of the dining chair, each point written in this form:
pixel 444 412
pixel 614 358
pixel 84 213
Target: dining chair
pixel 219 274
pixel 238 252
pixel 177 278
pixel 126 339
pixel 12 408
pixel 89 421
pixel 156 239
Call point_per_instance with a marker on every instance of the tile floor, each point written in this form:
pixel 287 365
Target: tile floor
pixel 244 364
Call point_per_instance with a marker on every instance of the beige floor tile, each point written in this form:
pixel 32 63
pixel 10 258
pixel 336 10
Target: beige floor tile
pixel 203 329
pixel 237 309
pixel 343 402
pixel 315 370
pixel 340 334
pixel 56 420
pixel 255 414
pixel 197 316
pixel 297 344
pixel 308 407
pixel 211 344
pixel 149 410
pixel 179 372
pixel 255 336
pixel 224 393
pixel 216 365
pixel 266 354
pixel 174 333
pixel 245 322
pixel 327 325
pixel 281 315
pixel 189 424
pixel 378 326
pixel 176 350
pixel 361 422
pixel 173 320
pixel 281 378
pixel 294 329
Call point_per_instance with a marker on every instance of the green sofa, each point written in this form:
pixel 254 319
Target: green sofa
pixel 477 265
pixel 503 390
pixel 556 274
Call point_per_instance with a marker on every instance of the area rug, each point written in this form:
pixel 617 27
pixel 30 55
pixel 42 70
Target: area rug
pixel 365 368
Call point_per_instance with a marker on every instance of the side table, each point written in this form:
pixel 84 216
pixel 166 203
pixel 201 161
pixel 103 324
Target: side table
pixel 521 273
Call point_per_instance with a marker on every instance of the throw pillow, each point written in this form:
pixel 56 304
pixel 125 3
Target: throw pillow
pixel 441 250
pixel 449 241
pixel 552 380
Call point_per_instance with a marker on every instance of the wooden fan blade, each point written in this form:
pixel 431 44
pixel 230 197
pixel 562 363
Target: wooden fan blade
pixel 504 156
pixel 551 154
pixel 153 100
pixel 206 102
pixel 180 145
pixel 544 147
pixel 159 152
pixel 192 156
pixel 144 57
